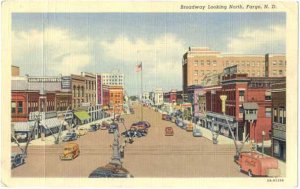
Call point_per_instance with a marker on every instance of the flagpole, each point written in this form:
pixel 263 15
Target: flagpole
pixel 142 89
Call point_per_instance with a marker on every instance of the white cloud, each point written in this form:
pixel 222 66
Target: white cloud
pixel 59 49
pixel 257 40
pixel 161 57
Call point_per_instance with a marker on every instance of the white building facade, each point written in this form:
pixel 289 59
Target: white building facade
pixel 158 97
pixel 113 78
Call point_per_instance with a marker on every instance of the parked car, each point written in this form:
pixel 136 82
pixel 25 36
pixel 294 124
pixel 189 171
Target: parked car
pixel 81 132
pixel 197 132
pixel 92 128
pixel 255 164
pixel 70 136
pixel 140 126
pixel 169 131
pixel 21 137
pixel 163 116
pixel 168 117
pixel 189 127
pixel 112 127
pixel 109 171
pixel 17 160
pixel 98 126
pixel 104 125
pixel 71 151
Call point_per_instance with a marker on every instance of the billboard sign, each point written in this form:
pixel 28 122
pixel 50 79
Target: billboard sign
pixel 66 82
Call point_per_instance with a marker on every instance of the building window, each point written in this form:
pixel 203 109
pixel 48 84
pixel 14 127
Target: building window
pixel 252 64
pixel 275 115
pixel 258 73
pixel 280 72
pixel 227 63
pixel 196 63
pixel 214 63
pixel 268 112
pixel 248 63
pixel 253 74
pixel 241 112
pixel 280 63
pixel 202 63
pixel 195 72
pixel 276 148
pixel 241 96
pixel 274 72
pixel 257 64
pixel 274 63
pixel 20 107
pixel 282 115
pixel 13 107
pixel 208 63
pixel 215 71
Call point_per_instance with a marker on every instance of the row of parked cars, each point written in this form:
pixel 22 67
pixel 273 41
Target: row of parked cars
pixel 183 124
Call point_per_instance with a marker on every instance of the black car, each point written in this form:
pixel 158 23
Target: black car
pixel 92 128
pixel 112 127
pixel 109 171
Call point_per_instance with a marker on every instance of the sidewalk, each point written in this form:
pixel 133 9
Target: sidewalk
pixel 49 140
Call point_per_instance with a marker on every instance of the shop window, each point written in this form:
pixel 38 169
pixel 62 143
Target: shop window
pixel 268 112
pixel 275 115
pixel 13 107
pixel 20 107
pixel 241 112
pixel 276 148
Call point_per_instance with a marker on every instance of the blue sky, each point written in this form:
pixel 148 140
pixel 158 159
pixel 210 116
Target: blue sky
pixel 71 43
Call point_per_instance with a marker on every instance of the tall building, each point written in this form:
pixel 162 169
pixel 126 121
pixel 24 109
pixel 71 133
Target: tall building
pixel 114 78
pixel 116 98
pixel 90 88
pixel 200 62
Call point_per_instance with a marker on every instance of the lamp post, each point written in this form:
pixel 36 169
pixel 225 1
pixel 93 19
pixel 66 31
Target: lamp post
pixel 263 138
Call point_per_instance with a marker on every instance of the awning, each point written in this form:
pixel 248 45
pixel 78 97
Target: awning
pixel 82 115
pixel 51 123
pixel 250 106
pixel 23 126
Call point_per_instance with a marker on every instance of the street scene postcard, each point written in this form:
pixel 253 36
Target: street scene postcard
pixel 149 94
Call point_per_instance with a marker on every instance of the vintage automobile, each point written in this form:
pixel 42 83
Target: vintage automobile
pixel 70 136
pixel 140 126
pixel 112 127
pixel 71 151
pixel 81 132
pixel 197 132
pixel 256 164
pixel 189 127
pixel 163 116
pixel 21 137
pixel 110 171
pixel 98 126
pixel 169 131
pixel 104 125
pixel 17 159
pixel 92 128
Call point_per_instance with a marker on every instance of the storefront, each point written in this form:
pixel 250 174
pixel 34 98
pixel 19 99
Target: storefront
pixel 23 129
pixel 219 123
pixel 52 125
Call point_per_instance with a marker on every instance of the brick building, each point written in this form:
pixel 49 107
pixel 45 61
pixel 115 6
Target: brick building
pixel 199 62
pixel 247 109
pixel 278 91
pixel 30 92
pixel 116 98
pixel 78 90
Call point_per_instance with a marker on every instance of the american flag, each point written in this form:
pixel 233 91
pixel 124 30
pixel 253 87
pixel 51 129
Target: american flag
pixel 138 67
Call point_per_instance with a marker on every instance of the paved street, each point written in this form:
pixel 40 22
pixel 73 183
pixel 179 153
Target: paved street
pixel 155 155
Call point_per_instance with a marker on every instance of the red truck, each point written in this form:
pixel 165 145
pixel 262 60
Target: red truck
pixel 256 164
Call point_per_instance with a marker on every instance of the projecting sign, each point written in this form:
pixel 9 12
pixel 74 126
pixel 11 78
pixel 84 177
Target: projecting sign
pixel 66 82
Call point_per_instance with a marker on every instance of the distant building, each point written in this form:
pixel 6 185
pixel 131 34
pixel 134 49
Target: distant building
pixel 114 78
pixel 200 62
pixel 90 88
pixel 278 92
pixel 158 97
pixel 116 98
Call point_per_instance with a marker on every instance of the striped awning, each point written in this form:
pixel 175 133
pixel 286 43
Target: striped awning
pixel 23 126
pixel 51 123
